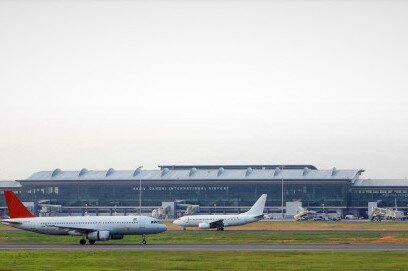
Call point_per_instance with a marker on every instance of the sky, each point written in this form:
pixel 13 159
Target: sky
pixel 101 84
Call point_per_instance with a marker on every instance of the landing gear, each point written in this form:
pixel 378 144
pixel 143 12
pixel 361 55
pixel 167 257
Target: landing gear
pixel 220 228
pixel 83 242
pixel 144 242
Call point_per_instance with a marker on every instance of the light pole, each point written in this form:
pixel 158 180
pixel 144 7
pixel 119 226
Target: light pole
pixel 140 190
pixel 282 191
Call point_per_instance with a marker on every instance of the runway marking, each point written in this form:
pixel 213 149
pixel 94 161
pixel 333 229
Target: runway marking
pixel 209 247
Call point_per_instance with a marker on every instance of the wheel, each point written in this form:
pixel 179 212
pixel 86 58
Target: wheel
pixel 82 241
pixel 144 242
pixel 91 242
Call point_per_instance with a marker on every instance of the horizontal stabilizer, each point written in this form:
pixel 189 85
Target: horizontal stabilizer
pixel 8 222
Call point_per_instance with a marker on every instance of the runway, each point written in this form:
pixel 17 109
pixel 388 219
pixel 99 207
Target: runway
pixel 209 247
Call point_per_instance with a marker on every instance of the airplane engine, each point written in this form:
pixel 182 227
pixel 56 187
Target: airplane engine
pixel 116 236
pixel 203 226
pixel 99 235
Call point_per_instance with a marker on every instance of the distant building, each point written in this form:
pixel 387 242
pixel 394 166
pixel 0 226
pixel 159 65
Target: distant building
pixel 386 192
pixel 208 186
pixel 221 188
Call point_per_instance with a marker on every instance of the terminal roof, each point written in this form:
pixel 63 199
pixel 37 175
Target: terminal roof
pixel 9 185
pixel 237 166
pixel 196 173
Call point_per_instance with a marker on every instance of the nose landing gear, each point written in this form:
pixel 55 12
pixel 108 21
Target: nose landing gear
pixel 144 242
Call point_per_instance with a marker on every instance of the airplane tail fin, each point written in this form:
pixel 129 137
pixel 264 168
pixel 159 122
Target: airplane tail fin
pixel 258 208
pixel 15 206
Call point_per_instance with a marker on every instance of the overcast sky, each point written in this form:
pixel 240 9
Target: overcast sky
pixel 102 84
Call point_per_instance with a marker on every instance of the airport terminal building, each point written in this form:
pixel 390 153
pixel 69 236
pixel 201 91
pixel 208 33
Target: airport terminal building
pixel 214 188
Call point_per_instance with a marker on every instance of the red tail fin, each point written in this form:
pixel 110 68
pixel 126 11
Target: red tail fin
pixel 15 206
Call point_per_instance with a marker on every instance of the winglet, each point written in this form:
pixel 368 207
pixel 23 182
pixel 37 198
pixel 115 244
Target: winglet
pixel 15 206
pixel 258 208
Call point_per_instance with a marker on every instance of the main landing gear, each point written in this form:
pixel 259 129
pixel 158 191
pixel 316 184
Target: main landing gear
pixel 144 242
pixel 220 228
pixel 83 242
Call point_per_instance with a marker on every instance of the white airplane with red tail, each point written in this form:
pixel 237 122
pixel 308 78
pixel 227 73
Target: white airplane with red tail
pixel 91 228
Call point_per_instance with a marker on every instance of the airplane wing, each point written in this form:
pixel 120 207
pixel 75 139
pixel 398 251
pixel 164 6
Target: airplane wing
pixel 73 228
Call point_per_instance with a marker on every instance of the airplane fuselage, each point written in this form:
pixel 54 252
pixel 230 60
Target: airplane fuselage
pixel 227 220
pixel 72 225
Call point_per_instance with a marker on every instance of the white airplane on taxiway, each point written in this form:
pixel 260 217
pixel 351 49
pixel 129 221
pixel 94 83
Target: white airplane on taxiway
pixel 91 228
pixel 220 221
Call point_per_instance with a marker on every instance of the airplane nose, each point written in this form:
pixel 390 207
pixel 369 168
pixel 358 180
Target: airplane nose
pixel 177 222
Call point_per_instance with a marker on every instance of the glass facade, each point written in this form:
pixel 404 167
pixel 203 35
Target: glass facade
pixel 228 193
pixel 385 197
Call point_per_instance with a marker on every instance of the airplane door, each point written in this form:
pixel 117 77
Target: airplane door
pixel 140 225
